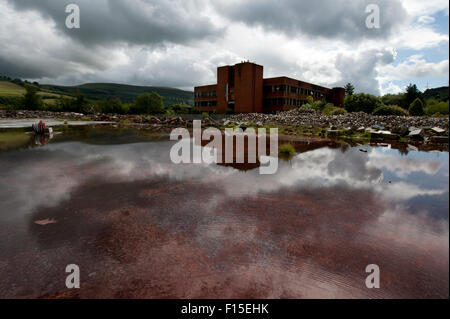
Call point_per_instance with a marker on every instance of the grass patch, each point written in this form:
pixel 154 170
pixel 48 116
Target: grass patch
pixel 13 140
pixel 10 89
pixel 286 151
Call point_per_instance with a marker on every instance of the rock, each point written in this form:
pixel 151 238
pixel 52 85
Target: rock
pixel 361 129
pixel 401 130
pixel 385 135
pixel 416 134
pixel 438 130
pixel 378 127
pixel 332 133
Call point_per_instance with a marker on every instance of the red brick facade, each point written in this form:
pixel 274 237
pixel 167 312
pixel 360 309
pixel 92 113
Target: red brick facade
pixel 241 88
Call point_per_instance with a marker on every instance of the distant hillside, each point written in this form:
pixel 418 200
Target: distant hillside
pixel 440 94
pixel 127 93
pixel 11 92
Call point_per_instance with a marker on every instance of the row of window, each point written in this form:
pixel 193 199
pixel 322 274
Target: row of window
pixel 284 102
pixel 294 90
pixel 206 94
pixel 205 103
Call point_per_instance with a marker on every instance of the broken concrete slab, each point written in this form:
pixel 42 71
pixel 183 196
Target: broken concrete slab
pixel 438 130
pixel 416 134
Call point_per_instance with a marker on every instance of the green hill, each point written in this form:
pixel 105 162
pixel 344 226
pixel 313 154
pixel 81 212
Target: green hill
pixel 440 94
pixel 126 93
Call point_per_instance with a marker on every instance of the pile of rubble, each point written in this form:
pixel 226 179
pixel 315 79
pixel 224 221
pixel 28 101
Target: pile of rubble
pixel 380 127
pixel 25 114
pixel 309 117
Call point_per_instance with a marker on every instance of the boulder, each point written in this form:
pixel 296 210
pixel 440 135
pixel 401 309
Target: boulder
pixel 416 134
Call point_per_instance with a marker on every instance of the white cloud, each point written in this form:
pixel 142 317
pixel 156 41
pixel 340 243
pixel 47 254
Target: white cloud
pixel 415 67
pixel 35 47
pixel 429 7
pixel 426 19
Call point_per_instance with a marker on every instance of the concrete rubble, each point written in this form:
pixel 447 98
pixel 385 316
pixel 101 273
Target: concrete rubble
pixel 392 128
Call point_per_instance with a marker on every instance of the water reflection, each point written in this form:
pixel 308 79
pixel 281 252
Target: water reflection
pixel 306 231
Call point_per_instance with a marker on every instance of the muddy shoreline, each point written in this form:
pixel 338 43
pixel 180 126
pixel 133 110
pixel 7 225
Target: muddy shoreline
pixel 424 132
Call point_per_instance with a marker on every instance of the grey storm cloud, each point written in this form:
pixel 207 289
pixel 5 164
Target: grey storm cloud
pixel 337 19
pixel 133 22
pixel 360 69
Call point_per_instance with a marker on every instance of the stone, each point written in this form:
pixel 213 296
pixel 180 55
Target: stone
pixel 385 135
pixel 416 135
pixel 438 130
pixel 378 127
pixel 332 133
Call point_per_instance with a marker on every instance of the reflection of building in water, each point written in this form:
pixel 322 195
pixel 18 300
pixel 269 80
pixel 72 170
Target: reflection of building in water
pixel 241 88
pixel 246 164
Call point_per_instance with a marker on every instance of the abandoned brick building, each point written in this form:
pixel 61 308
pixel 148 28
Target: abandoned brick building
pixel 241 88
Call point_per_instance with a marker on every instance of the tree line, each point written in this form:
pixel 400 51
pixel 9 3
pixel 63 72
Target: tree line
pixel 147 103
pixel 411 102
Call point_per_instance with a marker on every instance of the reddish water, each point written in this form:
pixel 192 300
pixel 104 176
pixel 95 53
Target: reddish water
pixel 139 226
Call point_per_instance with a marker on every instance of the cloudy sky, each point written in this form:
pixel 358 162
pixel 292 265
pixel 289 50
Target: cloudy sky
pixel 180 43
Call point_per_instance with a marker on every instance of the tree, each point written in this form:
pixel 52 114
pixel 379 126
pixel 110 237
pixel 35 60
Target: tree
pixel 111 106
pixel 181 109
pixel 416 108
pixel 395 99
pixel 362 103
pixel 31 100
pixel 149 104
pixel 412 93
pixel 349 89
pixel 79 103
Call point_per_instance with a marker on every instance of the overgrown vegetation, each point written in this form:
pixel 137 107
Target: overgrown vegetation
pixel 286 151
pixel 416 108
pixel 390 110
pixel 362 103
pixel 433 102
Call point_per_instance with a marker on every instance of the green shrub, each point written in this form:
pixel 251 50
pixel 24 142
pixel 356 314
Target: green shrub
pixel 362 103
pixel 390 110
pixel 31 101
pixel 330 109
pixel 338 111
pixel 436 107
pixel 111 106
pixel 286 151
pixel 395 99
pixel 11 102
pixel 195 110
pixel 182 109
pixel 416 108
pixel 148 103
